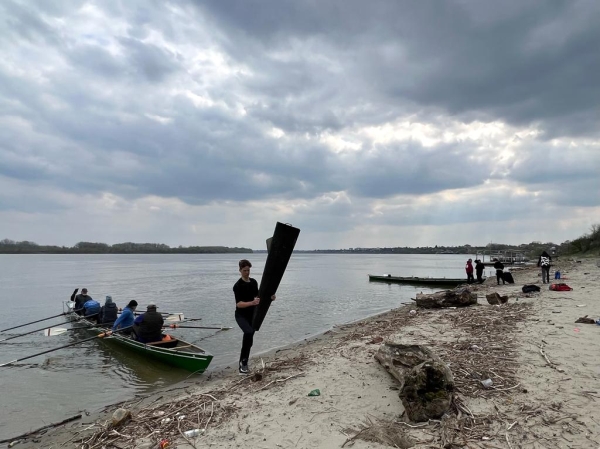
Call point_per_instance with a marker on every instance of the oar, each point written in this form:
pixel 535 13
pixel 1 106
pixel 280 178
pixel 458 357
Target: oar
pixel 40 329
pixel 54 331
pixel 162 313
pixel 176 326
pixel 102 335
pixel 33 322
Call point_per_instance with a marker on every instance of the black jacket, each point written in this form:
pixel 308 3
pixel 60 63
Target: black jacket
pixel 150 329
pixel 479 267
pixel 108 314
pixel 80 300
pixel 499 265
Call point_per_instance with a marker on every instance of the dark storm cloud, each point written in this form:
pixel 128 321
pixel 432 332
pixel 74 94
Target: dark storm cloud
pixel 108 110
pixel 521 62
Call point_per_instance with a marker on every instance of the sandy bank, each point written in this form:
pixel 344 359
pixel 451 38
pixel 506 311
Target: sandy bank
pixel 543 366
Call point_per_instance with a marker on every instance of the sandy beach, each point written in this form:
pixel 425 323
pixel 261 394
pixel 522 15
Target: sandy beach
pixel 543 367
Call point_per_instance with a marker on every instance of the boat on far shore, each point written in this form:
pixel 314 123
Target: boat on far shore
pixel 434 282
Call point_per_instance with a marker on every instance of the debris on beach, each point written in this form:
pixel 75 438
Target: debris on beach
pixel 495 298
pixel 586 320
pixel 426 382
pixel 460 297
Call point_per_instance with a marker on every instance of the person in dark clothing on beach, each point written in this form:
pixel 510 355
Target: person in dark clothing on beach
pixel 499 266
pixel 245 291
pixel 148 326
pixel 80 300
pixel 544 262
pixel 469 270
pixel 479 267
pixel 108 313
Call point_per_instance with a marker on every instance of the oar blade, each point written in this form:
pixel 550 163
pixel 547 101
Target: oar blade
pixel 53 331
pixel 175 317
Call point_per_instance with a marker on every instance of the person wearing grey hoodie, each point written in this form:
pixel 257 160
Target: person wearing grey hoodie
pixel 108 313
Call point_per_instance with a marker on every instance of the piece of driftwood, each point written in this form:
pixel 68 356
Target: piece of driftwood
pixel 495 298
pixel 426 382
pixel 461 297
pixel 586 320
pixel 397 357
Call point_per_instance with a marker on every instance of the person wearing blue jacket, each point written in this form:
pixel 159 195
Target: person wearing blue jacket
pixel 91 309
pixel 126 318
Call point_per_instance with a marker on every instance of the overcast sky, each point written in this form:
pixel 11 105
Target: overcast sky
pixel 363 123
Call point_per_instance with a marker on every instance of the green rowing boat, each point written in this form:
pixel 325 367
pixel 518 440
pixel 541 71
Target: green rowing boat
pixel 434 282
pixel 174 352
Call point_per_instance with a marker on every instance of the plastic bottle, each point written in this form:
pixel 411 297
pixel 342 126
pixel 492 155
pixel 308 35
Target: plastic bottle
pixel 193 432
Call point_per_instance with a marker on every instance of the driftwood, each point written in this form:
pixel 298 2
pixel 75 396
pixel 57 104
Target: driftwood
pixel 448 298
pixel 426 383
pixel 495 298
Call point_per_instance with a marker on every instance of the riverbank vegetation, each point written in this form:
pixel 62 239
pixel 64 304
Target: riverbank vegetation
pixel 587 244
pixel 25 247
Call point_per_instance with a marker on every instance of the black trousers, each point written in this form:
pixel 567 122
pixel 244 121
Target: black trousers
pixel 248 340
pixel 499 276
pixel 479 276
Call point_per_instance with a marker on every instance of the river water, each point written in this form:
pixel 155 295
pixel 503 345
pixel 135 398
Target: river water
pixel 317 292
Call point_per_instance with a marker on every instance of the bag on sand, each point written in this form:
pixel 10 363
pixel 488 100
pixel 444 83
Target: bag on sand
pixel 560 287
pixel 508 277
pixel 530 288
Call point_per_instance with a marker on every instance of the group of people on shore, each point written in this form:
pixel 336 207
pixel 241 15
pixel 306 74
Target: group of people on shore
pixel 479 267
pixel 544 262
pixel 146 327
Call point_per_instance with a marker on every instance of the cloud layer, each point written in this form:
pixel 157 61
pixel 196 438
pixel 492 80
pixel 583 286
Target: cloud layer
pixel 380 124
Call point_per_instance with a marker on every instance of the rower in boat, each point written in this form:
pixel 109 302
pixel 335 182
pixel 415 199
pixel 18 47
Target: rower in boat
pixel 148 326
pixel 126 318
pixel 91 309
pixel 80 300
pixel 108 313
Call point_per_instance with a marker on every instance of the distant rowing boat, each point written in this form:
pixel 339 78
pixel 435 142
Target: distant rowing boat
pixel 175 352
pixel 446 282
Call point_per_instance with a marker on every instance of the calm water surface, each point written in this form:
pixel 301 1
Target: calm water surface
pixel 317 292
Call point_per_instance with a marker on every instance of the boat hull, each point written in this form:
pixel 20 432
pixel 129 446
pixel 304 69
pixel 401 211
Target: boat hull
pixel 184 355
pixel 434 282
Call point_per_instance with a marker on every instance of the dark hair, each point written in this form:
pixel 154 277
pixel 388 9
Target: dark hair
pixel 132 303
pixel 244 263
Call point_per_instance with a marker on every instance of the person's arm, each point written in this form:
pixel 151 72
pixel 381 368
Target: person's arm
pixel 243 305
pixel 118 321
pixel 138 319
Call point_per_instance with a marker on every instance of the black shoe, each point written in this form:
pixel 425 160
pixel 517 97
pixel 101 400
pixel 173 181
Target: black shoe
pixel 244 367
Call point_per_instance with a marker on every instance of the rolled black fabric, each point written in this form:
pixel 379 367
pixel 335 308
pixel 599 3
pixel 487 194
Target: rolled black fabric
pixel 280 250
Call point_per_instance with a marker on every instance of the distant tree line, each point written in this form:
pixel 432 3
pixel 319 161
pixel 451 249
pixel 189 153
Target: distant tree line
pixel 25 247
pixel 528 250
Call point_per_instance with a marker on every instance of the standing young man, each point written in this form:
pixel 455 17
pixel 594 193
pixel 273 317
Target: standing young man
pixel 246 300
